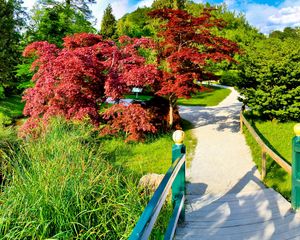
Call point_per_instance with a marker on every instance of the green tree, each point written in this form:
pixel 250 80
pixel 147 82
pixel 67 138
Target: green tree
pixel 270 79
pixel 51 21
pixel 137 24
pixel 11 20
pixel 287 32
pixel 108 24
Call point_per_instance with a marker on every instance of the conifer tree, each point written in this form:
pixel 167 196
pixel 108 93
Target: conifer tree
pixel 10 21
pixel 108 25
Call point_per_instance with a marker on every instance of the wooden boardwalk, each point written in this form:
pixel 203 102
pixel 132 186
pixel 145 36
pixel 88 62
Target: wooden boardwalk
pixel 260 215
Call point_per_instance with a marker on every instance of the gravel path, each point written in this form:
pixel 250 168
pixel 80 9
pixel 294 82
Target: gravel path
pixel 222 162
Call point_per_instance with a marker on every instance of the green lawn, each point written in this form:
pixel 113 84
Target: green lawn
pixel 153 156
pixel 278 136
pixel 212 97
pixel 141 97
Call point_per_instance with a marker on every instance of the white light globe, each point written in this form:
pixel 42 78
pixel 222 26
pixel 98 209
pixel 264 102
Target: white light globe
pixel 178 136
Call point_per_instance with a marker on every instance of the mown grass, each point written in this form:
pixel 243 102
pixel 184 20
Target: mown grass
pixel 140 97
pixel 152 156
pixel 211 97
pixel 278 136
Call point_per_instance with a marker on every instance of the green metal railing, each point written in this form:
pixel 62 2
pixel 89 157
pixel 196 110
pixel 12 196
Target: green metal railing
pixel 296 169
pixel 175 178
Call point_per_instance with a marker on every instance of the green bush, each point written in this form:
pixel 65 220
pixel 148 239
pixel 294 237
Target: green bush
pixel 229 78
pixel 270 79
pixel 61 188
pixel 4 119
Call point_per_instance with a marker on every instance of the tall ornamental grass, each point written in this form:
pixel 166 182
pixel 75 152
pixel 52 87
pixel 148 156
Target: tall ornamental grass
pixel 60 188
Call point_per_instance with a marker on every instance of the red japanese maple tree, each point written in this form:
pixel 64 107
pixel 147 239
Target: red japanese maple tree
pixel 188 46
pixel 74 81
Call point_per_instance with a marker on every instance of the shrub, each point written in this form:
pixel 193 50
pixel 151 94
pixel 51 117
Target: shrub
pixel 133 120
pixel 270 79
pixel 229 78
pixel 61 188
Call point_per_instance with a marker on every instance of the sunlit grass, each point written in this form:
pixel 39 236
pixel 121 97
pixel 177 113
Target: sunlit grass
pixel 211 97
pixel 278 136
pixel 152 156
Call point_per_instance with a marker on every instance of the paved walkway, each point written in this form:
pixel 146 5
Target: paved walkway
pixel 225 198
pixel 222 159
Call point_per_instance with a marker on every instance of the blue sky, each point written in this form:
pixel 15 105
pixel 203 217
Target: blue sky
pixel 266 15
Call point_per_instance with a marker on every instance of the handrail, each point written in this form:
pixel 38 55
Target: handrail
pixel 148 218
pixel 265 149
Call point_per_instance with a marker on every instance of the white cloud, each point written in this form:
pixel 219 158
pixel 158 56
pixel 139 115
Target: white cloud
pixel 286 16
pixel 28 4
pixel 269 18
pixel 258 14
pixel 144 3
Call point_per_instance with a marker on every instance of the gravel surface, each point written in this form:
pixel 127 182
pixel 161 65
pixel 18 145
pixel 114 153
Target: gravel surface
pixel 222 162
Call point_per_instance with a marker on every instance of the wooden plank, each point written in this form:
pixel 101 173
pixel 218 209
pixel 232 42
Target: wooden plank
pixel 280 161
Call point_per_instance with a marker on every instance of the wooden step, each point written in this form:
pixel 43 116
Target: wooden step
pixel 261 215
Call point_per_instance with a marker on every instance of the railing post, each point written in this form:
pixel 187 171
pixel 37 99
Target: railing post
pixel 178 186
pixel 296 169
pixel 241 117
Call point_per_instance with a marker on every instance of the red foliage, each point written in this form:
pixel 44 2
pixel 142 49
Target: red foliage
pixel 131 70
pixel 134 120
pixel 188 46
pixel 74 81
pixel 70 81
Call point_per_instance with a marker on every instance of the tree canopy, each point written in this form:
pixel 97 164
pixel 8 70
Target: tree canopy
pixel 11 20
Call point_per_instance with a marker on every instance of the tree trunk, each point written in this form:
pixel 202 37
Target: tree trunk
pixel 171 118
pixel 172 103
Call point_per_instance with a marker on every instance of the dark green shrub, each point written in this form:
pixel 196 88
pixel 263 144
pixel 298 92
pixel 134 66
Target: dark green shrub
pixel 270 79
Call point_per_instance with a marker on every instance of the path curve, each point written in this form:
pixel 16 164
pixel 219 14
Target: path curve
pixel 222 162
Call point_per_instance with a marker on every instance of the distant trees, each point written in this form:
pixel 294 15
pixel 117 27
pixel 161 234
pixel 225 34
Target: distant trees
pixel 53 20
pixel 287 32
pixel 175 4
pixel 108 24
pixel 136 24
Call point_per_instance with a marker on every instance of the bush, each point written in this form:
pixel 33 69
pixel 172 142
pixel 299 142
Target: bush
pixel 229 78
pixel 270 79
pixel 61 188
